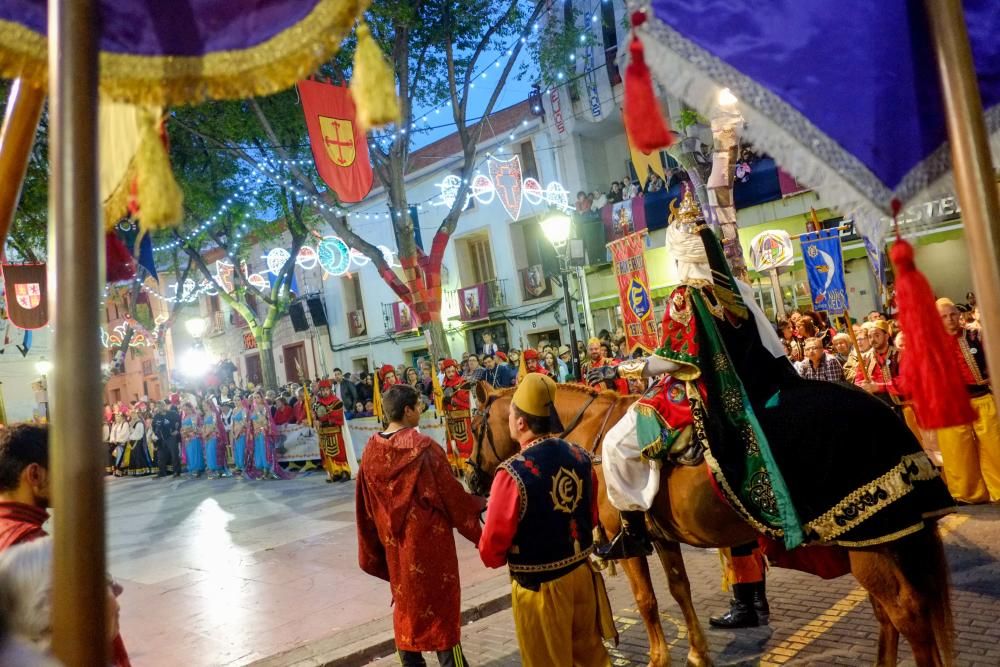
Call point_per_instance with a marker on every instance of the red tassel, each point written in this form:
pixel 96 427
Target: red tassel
pixel 647 129
pixel 928 369
pixel 120 264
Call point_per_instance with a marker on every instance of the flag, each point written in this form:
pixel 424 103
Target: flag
pixel 26 292
pixel 522 368
pixel 307 402
pixel 338 142
pixel 629 262
pixel 473 303
pixel 25 345
pixel 624 218
pixel 825 269
pixel 293 288
pixel 771 249
pixel 377 399
pixel 438 394
pixel 645 163
pixel 128 231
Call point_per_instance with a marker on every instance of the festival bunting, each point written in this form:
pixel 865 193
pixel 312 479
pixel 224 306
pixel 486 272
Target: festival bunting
pixel 628 259
pixel 25 289
pixel 473 303
pixel 771 249
pixel 825 269
pixel 338 142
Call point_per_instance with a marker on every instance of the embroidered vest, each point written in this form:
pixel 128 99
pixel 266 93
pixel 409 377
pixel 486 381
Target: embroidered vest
pixel 555 532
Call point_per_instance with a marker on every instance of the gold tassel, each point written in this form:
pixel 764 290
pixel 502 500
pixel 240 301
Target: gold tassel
pixel 373 84
pixel 160 198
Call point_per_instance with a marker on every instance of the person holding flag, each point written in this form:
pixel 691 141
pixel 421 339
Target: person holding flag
pixel 457 407
pixel 329 420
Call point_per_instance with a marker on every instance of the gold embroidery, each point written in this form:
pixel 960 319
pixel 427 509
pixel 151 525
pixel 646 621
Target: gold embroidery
pixel 522 493
pixel 734 500
pixel 567 490
pixel 970 360
pixel 864 502
pixel 557 565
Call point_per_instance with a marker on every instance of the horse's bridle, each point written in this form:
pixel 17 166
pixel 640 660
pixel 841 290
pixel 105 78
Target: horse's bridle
pixel 477 473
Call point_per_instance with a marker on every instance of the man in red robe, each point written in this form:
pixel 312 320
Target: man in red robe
pixel 328 413
pixel 531 362
pixel 408 505
pixel 387 377
pixel 25 497
pixel 457 407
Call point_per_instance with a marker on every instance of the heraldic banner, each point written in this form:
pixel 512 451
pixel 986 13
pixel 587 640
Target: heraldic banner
pixel 825 269
pixel 473 303
pixel 627 256
pixel 338 143
pixel 26 291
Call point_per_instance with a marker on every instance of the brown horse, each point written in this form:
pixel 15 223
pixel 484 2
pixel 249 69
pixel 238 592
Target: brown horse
pixel 907 580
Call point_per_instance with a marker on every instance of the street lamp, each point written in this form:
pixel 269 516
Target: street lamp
pixel 196 327
pixel 557 227
pixel 43 367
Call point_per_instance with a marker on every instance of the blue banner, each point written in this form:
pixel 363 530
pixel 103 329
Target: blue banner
pixel 825 269
pixel 876 257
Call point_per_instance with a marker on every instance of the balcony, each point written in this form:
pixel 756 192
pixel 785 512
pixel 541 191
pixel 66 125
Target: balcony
pixel 397 318
pixel 216 323
pixel 476 302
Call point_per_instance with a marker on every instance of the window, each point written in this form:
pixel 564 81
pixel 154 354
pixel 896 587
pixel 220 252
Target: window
pixel 147 367
pixel 529 168
pixel 481 260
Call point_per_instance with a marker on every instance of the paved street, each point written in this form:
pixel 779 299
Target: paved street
pixel 813 622
pixel 229 572
pixel 226 572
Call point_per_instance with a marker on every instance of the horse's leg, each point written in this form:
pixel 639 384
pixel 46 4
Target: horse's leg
pixel 637 570
pixel 888 636
pixel 904 606
pixel 680 588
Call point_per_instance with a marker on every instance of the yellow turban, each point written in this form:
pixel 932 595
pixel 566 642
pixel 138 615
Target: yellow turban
pixel 878 324
pixel 535 394
pixel 593 341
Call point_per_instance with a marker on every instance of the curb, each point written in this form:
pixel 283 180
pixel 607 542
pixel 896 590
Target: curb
pixel 361 645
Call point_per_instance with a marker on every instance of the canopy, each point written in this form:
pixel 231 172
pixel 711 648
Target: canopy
pixel 162 53
pixel 845 95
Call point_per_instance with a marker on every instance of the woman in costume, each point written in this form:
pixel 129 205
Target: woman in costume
pixel 120 432
pixel 192 446
pixel 265 458
pixel 213 433
pixel 135 460
pixel 238 435
pixel 109 419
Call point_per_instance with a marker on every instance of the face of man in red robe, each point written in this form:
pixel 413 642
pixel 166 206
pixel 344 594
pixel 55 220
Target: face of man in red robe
pixel 594 351
pixel 531 365
pixel 390 379
pixel 324 392
pixel 450 372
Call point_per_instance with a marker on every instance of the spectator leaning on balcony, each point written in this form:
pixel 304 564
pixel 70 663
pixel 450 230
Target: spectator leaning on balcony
pixel 599 200
pixel 655 183
pixel 583 202
pixel 615 195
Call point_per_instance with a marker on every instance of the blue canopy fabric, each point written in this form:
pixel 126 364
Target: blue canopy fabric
pixel 846 95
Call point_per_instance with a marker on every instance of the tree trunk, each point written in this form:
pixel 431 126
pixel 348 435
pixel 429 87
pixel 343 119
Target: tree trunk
pixel 268 372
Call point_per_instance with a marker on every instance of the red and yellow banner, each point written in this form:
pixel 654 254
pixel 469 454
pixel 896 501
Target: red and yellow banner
pixel 629 261
pixel 338 143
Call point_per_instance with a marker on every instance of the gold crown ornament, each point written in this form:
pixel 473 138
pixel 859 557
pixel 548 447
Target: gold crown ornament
pixel 688 215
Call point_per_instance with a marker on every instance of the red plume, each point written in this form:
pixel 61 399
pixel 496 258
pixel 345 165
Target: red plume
pixel 120 264
pixel 928 367
pixel 647 129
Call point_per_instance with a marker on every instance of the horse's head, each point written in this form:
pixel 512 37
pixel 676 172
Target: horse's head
pixel 585 413
pixel 493 444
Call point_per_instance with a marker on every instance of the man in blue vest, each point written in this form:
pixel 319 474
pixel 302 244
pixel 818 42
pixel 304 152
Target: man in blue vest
pixel 539 521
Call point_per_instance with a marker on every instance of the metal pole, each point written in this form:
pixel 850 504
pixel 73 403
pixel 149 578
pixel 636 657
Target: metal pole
pixel 76 261
pixel 571 324
pixel 779 298
pixel 24 108
pixel 588 314
pixel 975 180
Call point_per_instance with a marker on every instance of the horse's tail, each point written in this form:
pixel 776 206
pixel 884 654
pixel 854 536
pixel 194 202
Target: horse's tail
pixel 922 562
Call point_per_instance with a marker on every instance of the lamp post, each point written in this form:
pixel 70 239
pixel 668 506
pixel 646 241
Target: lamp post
pixel 194 364
pixel 196 327
pixel 557 227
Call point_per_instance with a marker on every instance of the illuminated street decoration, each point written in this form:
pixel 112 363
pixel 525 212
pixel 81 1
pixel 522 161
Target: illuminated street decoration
pixel 276 259
pixel 115 338
pixel 307 258
pixel 506 183
pixel 334 255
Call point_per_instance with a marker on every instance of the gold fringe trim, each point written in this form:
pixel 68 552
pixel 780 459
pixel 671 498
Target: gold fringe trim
pixel 264 69
pixel 734 500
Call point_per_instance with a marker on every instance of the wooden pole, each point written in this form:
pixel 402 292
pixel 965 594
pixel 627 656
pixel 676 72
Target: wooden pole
pixel 76 261
pixel 854 342
pixel 975 179
pixel 779 298
pixel 20 123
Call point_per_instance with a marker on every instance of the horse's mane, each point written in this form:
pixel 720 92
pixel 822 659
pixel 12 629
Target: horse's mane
pixel 575 387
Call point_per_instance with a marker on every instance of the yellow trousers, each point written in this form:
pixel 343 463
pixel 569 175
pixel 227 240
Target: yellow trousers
pixel 559 625
pixel 971 454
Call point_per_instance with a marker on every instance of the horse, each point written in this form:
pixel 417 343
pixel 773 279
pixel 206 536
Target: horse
pixel 906 580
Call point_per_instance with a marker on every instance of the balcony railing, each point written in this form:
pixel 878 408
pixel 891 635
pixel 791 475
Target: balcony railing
pixel 465 300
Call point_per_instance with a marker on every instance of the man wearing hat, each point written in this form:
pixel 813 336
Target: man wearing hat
pixel 498 374
pixel 595 369
pixel 328 413
pixel 970 452
pixel 386 377
pixel 457 408
pixel 882 362
pixel 531 362
pixel 539 521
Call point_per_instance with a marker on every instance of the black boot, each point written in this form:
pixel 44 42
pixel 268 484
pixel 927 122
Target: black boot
pixel 741 612
pixel 632 541
pixel 760 602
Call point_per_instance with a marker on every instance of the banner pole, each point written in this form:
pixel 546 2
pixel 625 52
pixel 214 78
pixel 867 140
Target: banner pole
pixel 779 299
pixel 854 342
pixel 975 179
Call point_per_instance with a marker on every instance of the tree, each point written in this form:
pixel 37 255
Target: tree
pixel 437 49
